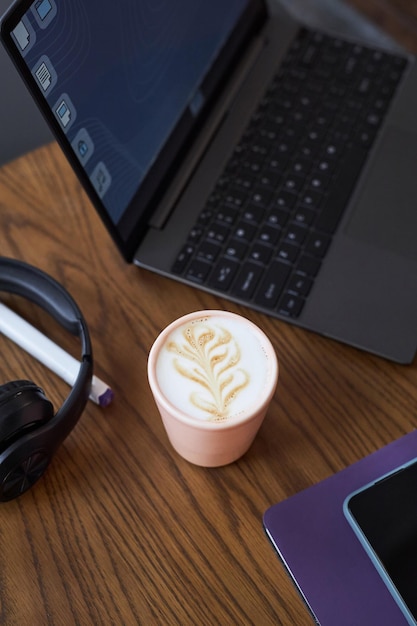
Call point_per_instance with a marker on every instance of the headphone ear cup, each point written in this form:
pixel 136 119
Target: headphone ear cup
pixel 23 406
pixel 21 469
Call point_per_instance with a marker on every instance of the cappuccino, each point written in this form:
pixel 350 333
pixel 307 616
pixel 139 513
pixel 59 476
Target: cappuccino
pixel 215 367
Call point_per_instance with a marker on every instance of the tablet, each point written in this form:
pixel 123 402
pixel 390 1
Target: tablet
pixel 383 514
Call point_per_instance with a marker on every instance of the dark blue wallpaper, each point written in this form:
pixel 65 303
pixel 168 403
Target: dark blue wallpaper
pixel 118 75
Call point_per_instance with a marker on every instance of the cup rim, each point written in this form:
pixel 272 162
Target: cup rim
pixel 209 424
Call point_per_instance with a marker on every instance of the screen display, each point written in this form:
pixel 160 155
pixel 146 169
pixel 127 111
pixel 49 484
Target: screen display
pixel 385 516
pixel 120 77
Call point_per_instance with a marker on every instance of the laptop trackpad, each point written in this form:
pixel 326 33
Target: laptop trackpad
pixel 386 210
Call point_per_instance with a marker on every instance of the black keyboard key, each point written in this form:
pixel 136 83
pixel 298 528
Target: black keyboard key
pixel 294 183
pixel 291 305
pixel 326 166
pixel 253 213
pixel 349 68
pixel 270 179
pixel 288 252
pixel 236 249
pixel 245 181
pixel 334 148
pixel 317 244
pixel 218 232
pixel 373 119
pixel 195 234
pixel 208 251
pixel 205 216
pixel 365 137
pixel 261 197
pixel 319 182
pixel 272 285
pixel 247 280
pixel 198 270
pixel 296 234
pixel 235 197
pixel 313 199
pixel 301 166
pixel 261 253
pixel 277 217
pixel 245 231
pixel 285 200
pixel 308 265
pixel 227 215
pixel 304 216
pixel 277 163
pixel 300 285
pixel 269 234
pixel 183 259
pixel 223 274
pixel 310 54
pixel 250 164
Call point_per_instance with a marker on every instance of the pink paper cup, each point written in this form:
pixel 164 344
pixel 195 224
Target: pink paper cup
pixel 212 375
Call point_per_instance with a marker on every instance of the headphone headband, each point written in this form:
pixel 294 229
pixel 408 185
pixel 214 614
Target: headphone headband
pixel 36 445
pixel 32 283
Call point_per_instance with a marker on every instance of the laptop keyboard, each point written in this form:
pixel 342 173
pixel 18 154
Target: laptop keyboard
pixel 270 218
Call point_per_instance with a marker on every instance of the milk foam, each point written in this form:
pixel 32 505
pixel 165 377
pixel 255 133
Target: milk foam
pixel 213 368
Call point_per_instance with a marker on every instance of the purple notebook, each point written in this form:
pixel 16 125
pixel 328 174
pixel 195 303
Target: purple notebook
pixel 334 574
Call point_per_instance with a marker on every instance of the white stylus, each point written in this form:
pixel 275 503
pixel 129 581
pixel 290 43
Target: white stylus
pixel 48 353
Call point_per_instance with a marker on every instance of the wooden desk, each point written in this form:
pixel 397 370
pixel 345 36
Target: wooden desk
pixel 121 530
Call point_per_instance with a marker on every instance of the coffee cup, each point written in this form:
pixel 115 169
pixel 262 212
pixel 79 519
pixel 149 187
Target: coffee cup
pixel 213 375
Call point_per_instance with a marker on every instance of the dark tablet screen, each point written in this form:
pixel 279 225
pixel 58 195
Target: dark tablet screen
pixel 386 514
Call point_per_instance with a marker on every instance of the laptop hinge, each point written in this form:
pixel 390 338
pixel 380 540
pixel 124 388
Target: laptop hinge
pixel 215 119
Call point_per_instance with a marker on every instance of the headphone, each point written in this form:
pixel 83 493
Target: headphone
pixel 30 431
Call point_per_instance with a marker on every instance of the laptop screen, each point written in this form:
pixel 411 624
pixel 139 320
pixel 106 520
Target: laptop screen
pixel 124 85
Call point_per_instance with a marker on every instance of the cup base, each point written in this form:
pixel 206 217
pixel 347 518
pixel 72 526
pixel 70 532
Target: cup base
pixel 210 462
pixel 211 448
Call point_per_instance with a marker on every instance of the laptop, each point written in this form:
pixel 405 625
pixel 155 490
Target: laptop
pixel 227 146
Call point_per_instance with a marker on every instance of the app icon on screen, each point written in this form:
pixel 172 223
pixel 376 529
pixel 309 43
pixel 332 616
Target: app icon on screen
pixel 101 179
pixel 83 146
pixel 43 7
pixel 65 112
pixel 44 12
pixel 24 35
pixel 45 74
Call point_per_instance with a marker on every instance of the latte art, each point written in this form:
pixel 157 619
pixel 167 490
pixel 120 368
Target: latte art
pixel 209 356
pixel 213 368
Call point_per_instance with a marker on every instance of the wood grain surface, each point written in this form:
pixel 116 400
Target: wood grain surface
pixel 398 18
pixel 121 530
